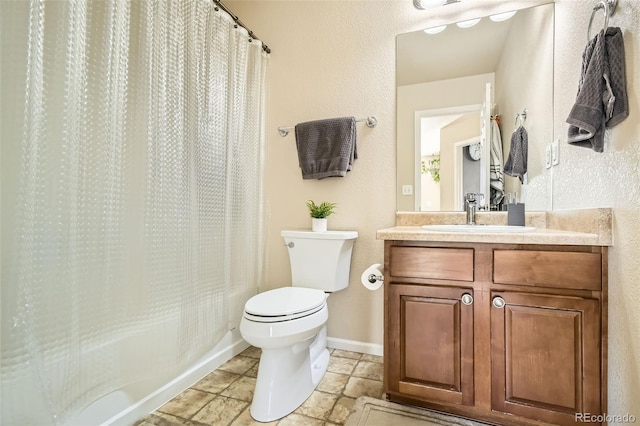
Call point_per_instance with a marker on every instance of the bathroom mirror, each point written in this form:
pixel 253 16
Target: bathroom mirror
pixel 449 84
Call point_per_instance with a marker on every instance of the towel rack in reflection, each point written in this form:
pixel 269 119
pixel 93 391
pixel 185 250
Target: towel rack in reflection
pixel 608 7
pixel 371 122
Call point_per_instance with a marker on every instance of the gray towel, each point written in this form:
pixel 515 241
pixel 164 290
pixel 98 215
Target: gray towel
pixel 516 164
pixel 326 148
pixel 602 100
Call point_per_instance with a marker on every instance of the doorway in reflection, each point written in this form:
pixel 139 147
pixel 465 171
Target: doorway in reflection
pixel 450 152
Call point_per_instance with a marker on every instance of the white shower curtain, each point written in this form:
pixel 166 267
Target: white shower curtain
pixel 132 196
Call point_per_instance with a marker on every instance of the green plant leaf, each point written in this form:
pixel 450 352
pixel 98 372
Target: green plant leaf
pixel 322 210
pixel 432 168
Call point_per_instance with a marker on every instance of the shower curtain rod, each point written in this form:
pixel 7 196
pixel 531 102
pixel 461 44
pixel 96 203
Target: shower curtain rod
pixel 237 20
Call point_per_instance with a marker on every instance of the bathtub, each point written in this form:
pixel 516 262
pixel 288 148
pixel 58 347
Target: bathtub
pixel 128 404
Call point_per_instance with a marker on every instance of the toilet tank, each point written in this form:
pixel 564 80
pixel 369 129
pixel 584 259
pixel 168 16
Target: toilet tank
pixel 320 260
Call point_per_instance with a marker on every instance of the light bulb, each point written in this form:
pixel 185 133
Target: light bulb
pixel 435 30
pixel 468 24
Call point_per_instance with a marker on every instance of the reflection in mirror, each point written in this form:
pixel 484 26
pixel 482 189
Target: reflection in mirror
pixel 450 154
pixel 453 88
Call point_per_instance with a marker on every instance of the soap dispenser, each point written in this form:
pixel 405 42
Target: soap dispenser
pixel 515 212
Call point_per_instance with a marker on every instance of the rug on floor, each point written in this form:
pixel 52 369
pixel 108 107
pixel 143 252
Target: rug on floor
pixel 377 412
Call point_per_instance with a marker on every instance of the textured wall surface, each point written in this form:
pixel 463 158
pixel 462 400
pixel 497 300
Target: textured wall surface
pixel 335 58
pixel 330 59
pixel 585 178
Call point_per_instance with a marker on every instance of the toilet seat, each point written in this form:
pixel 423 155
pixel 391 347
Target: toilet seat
pixel 284 304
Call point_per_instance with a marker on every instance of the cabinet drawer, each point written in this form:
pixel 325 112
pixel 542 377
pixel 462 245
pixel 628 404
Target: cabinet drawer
pixel 569 270
pixel 433 263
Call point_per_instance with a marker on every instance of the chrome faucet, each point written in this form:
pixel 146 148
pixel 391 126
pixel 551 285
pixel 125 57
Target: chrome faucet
pixel 470 205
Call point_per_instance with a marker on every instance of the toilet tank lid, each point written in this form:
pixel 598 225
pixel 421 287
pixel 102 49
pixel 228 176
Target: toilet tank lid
pixel 326 235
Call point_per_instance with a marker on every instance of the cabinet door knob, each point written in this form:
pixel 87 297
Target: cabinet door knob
pixel 467 299
pixel 499 302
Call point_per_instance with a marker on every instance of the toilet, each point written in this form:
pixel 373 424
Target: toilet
pixel 289 323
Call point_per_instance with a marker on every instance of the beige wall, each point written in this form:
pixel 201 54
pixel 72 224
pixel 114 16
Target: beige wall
pixel 330 59
pixel 335 58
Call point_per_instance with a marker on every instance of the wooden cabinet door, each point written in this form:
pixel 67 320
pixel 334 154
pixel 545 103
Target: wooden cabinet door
pixel 545 356
pixel 430 343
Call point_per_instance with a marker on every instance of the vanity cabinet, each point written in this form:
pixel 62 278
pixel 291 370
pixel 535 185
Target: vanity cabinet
pixel 545 356
pixel 509 334
pixel 435 317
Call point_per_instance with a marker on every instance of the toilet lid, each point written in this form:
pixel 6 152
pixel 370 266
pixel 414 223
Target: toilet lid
pixel 285 301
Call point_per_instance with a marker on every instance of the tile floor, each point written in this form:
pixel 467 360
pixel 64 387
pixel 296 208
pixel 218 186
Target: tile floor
pixel 224 396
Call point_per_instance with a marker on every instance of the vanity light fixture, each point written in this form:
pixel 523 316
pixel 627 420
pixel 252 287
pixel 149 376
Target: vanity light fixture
pixel 428 4
pixel 499 17
pixel 435 30
pixel 468 24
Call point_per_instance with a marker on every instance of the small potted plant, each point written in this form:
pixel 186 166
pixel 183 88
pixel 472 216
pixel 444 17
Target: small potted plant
pixel 319 213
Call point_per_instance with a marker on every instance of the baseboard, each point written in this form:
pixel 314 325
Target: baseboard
pixel 355 346
pixel 231 345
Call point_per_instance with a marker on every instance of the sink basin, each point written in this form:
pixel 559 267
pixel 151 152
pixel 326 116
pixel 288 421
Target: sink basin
pixel 479 229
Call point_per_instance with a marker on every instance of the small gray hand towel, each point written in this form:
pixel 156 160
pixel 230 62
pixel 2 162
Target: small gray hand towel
pixel 615 65
pixel 602 100
pixel 326 148
pixel 516 164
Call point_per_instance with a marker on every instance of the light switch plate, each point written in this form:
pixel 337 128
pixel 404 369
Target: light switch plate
pixel 547 157
pixel 555 153
pixel 407 189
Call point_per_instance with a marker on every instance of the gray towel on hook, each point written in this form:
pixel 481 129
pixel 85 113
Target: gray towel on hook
pixel 326 148
pixel 516 164
pixel 602 100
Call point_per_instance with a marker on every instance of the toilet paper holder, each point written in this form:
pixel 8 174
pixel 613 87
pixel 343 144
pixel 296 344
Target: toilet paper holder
pixel 373 278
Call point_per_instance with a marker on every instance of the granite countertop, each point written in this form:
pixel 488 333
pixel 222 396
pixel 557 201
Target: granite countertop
pixel 565 227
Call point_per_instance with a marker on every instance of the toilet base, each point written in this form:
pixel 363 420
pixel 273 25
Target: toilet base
pixel 288 376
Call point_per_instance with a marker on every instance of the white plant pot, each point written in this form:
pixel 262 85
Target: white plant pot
pixel 318 225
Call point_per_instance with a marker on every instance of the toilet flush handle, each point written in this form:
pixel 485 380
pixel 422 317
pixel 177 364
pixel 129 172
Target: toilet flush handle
pixel 290 245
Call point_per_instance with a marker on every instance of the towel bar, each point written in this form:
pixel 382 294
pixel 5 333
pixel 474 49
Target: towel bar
pixel 371 122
